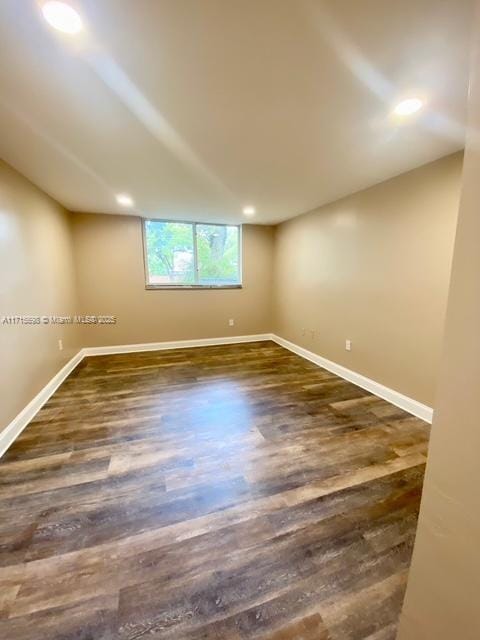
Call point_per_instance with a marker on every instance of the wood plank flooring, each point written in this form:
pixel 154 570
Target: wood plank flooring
pixel 232 492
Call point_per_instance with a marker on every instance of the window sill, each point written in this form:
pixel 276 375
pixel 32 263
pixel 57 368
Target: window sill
pixel 187 287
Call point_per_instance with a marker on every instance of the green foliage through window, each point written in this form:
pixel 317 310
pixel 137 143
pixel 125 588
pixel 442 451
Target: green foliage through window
pixel 192 254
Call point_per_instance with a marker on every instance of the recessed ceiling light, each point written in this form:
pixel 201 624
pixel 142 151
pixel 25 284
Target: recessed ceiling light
pixel 125 200
pixel 62 16
pixel 408 107
pixel 249 211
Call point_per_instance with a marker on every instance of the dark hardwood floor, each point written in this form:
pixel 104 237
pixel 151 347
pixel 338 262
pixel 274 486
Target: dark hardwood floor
pixel 224 492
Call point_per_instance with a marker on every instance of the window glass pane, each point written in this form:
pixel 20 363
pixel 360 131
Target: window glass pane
pixel 218 259
pixel 169 248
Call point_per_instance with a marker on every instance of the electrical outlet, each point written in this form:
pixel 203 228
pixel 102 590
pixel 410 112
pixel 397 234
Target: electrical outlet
pixel 348 345
pixel 303 331
pixel 231 322
pixel 60 345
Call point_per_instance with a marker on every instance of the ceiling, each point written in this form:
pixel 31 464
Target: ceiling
pixel 198 108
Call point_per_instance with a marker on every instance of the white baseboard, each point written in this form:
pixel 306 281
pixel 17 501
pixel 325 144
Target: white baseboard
pixel 394 397
pixel 178 344
pixel 18 424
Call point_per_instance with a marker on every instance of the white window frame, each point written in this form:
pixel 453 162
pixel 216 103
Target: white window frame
pixel 196 285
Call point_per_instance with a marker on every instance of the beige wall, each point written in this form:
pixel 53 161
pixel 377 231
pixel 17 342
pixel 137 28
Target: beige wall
pixel 36 278
pixel 111 279
pixel 443 592
pixel 373 268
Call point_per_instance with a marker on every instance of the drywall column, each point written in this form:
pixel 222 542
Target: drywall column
pixel 442 600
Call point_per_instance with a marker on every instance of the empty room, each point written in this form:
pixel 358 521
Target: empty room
pixel 239 311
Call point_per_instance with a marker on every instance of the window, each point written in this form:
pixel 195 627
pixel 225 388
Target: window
pixel 191 254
